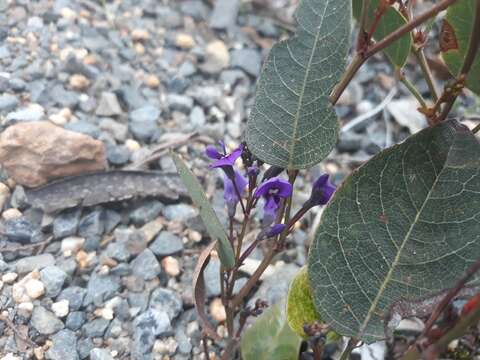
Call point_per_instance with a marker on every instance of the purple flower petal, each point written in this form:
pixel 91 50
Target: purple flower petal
pixel 213 153
pixel 229 159
pixel 274 186
pixel 275 230
pixel 230 195
pixel 322 190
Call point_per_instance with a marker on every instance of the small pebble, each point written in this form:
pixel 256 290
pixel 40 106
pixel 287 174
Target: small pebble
pixel 4 194
pixel 71 245
pixel 184 41
pixel 34 288
pixel 152 81
pixel 26 306
pixel 217 310
pixel 61 308
pixel 9 278
pixel 171 266
pixel 140 35
pixel 79 82
pixel 132 145
pixel 11 214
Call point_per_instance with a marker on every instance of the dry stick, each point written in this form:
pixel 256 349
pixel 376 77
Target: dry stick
pixel 12 326
pixel 468 62
pixel 427 73
pixel 359 60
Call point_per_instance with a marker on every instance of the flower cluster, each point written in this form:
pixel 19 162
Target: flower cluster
pixel 273 189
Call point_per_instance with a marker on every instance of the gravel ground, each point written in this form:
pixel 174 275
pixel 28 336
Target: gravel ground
pixel 114 281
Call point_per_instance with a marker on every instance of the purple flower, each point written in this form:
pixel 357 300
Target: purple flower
pixel 273 190
pixel 271 231
pixel 223 160
pixel 322 191
pixel 230 195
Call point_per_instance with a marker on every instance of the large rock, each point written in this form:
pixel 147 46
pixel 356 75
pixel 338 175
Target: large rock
pixel 35 152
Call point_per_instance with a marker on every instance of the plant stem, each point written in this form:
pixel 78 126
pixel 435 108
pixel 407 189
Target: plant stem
pixel 427 73
pixel 358 60
pixel 362 38
pixel 413 90
pixel 476 129
pixel 473 46
pixel 348 350
pixel 457 331
pixel 450 295
pixel 237 300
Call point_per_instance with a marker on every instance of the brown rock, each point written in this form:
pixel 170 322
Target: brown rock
pixel 35 152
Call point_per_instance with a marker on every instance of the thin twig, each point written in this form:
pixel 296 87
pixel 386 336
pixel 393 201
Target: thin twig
pixel 352 343
pixel 476 129
pixel 427 73
pixel 473 46
pixel 413 90
pixel 12 326
pixel 359 59
pixel 359 119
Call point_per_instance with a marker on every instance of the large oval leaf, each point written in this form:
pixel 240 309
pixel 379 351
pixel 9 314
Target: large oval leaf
pixel 270 337
pixel 292 124
pixel 404 225
pixel 454 40
pixel 390 21
pixel 301 309
pixel 208 215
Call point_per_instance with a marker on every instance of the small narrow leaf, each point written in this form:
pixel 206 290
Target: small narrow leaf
pixel 403 226
pixel 292 124
pixel 390 21
pixel 210 219
pixel 455 38
pixel 270 337
pixel 301 309
pixel 199 291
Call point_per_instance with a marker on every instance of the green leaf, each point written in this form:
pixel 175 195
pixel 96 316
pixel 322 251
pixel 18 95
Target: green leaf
pixel 390 21
pixel 292 124
pixel 210 219
pixel 403 226
pixel 454 40
pixel 300 307
pixel 270 337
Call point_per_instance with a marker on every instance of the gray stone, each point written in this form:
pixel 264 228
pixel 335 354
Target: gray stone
pixel 147 326
pixel 74 295
pixel 197 117
pixel 146 212
pixel 148 113
pixel 118 130
pixel 96 327
pixel 66 223
pixel 166 244
pixel 84 127
pixel 19 230
pixel 166 300
pixel 249 60
pixel 179 212
pixel 83 348
pixel 75 320
pixel 112 219
pixel 45 322
pixel 101 288
pixel 224 14
pixel 118 154
pixel 64 97
pixel 134 239
pixel 74 66
pixel 53 278
pixel 64 346
pixel 30 113
pixel 143 122
pixel 108 105
pixel 17 84
pixel 91 227
pixel 30 263
pixel 146 265
pixel 181 103
pixel 131 96
pixel 100 354
pixel 8 102
pixel 207 96
pixel 117 251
